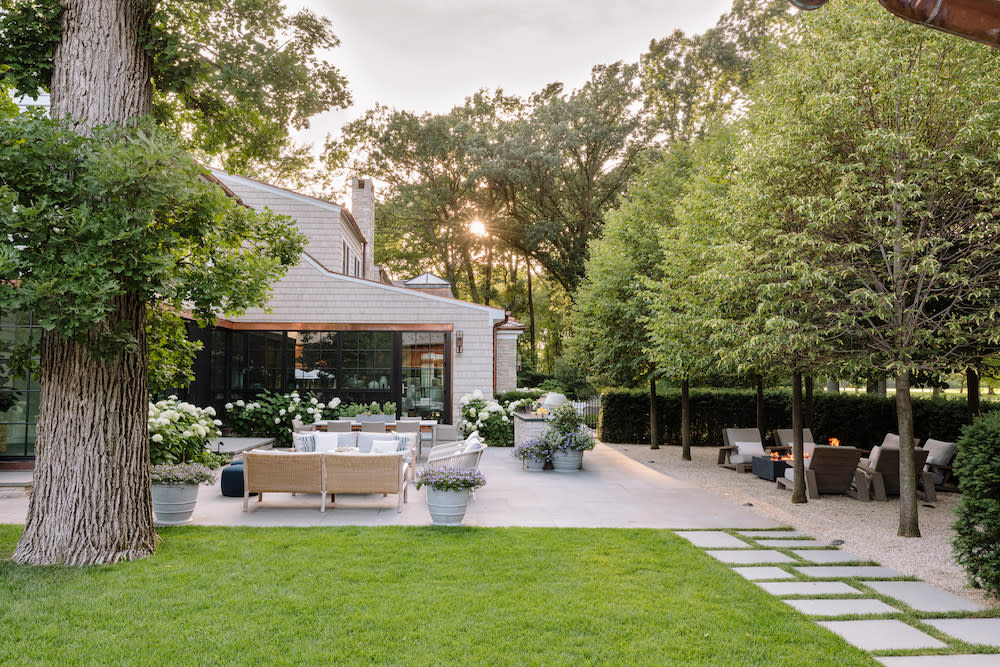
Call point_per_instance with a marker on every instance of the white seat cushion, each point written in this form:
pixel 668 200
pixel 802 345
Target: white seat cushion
pixel 384 446
pixel 327 442
pixel 940 452
pixel 747 450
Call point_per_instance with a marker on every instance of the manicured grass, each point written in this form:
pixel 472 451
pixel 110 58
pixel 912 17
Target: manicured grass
pixel 310 596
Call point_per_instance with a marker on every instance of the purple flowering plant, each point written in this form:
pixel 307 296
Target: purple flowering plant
pixel 534 450
pixel 182 473
pixel 449 478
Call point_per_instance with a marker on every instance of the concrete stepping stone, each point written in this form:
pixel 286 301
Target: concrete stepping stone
pixel 758 534
pixel 841 607
pixel 791 543
pixel 788 588
pixel 882 635
pixel 750 556
pixel 842 571
pixel 966 660
pixel 757 573
pixel 713 539
pixel 984 631
pixel 924 597
pixel 827 556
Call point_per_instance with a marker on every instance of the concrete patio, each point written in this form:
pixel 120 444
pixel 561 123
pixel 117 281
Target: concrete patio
pixel 611 491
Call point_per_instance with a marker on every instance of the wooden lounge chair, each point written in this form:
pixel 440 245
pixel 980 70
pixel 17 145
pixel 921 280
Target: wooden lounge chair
pixel 830 470
pixel 882 472
pixel 741 445
pixel 783 437
pixel 940 455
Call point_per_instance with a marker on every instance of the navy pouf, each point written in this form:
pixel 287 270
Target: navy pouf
pixel 232 480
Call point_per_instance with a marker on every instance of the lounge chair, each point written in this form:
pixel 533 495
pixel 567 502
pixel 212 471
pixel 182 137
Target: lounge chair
pixel 742 444
pixel 830 470
pixel 285 472
pixel 364 474
pixel 940 455
pixel 882 472
pixel 783 437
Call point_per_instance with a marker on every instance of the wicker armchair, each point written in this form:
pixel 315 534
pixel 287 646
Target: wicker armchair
pixel 366 473
pixel 281 472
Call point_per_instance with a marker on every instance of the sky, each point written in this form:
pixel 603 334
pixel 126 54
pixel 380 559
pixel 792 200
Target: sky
pixel 429 55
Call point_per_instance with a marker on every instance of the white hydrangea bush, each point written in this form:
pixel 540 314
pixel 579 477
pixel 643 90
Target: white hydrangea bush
pixel 179 432
pixel 271 415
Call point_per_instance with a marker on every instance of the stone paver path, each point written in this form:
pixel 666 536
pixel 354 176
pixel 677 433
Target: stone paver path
pixel 829 591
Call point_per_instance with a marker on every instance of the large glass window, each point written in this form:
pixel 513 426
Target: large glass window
pixel 18 397
pixel 315 359
pixel 257 362
pixel 367 359
pixel 423 374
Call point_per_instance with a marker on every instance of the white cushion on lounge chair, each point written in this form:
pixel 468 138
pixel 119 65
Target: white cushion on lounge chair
pixel 940 453
pixel 327 442
pixel 747 450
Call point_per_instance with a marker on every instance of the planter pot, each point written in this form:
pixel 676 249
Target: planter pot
pixel 173 504
pixel 567 461
pixel 447 508
pixel 532 464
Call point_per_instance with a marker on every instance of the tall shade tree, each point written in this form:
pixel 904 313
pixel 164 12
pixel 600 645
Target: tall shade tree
pixel 873 164
pixel 233 77
pixel 105 216
pixel 609 332
pixel 561 166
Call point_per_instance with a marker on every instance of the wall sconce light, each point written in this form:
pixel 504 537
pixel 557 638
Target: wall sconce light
pixel 459 339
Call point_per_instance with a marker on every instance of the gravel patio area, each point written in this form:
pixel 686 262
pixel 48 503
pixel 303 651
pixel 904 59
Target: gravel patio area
pixel 867 529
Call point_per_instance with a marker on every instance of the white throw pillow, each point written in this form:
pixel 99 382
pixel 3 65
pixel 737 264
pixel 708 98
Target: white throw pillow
pixel 873 457
pixel 750 448
pixel 304 442
pixel 347 439
pixel 327 442
pixel 383 447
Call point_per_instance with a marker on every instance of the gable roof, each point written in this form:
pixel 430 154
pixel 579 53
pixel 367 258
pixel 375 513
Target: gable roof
pixel 427 279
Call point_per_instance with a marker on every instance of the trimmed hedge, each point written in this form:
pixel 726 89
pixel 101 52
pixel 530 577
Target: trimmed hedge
pixel 977 531
pixel 860 420
pixel 517 394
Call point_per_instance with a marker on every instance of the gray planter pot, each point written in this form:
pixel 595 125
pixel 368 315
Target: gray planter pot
pixel 532 464
pixel 567 461
pixel 447 508
pixel 173 504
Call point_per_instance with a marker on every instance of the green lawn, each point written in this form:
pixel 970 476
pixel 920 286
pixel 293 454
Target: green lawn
pixel 317 596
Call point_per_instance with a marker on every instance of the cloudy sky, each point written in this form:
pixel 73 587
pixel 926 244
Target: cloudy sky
pixel 428 55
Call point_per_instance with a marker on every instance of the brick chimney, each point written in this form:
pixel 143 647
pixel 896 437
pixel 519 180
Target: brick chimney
pixel 363 210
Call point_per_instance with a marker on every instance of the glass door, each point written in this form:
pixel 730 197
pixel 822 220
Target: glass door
pixel 424 389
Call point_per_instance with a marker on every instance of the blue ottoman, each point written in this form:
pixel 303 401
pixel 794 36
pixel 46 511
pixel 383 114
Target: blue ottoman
pixel 232 480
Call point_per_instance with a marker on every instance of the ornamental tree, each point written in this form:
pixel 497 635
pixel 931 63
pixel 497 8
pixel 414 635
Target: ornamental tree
pixel 873 164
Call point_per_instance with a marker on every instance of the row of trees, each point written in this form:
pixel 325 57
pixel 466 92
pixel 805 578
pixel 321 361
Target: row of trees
pixel 844 224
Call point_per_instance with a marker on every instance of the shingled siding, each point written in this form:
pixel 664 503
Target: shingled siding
pixel 307 295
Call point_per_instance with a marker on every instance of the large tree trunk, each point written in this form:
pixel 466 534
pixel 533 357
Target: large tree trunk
pixel 654 421
pixel 807 415
pixel 908 520
pixel 91 497
pixel 798 462
pixel 685 420
pixel 972 380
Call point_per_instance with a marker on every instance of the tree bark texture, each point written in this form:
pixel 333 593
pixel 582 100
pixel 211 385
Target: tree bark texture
pixel 798 462
pixel 909 525
pixel 654 417
pixel 685 420
pixel 972 380
pixel 101 74
pixel 807 413
pixel 91 498
pixel 91 501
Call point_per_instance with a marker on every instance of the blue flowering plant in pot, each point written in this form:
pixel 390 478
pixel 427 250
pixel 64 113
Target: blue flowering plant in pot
pixel 448 491
pixel 568 438
pixel 533 453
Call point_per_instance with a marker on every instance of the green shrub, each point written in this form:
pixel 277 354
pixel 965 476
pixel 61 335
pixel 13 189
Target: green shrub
pixel 271 415
pixel 491 419
pixel 518 394
pixel 977 531
pixel 179 432
pixel 860 420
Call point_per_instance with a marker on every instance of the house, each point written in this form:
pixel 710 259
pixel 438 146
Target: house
pixel 337 327
pixel 334 325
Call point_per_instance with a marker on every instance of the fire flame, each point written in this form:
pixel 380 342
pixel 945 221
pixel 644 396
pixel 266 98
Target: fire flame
pixel 835 442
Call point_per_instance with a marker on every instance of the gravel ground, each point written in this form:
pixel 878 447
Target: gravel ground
pixel 867 529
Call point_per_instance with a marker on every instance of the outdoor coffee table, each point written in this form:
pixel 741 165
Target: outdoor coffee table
pixel 767 468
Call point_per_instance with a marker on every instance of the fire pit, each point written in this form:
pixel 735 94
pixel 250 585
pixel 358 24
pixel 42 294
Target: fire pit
pixel 770 467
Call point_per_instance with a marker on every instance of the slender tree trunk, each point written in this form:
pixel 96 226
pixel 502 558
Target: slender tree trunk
pixel 531 315
pixel 761 416
pixel 908 520
pixel 972 379
pixel 654 417
pixel 833 386
pixel 90 501
pixel 808 408
pixel 798 462
pixel 685 420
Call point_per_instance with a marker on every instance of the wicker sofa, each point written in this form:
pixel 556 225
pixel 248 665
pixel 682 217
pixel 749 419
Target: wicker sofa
pixel 324 473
